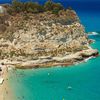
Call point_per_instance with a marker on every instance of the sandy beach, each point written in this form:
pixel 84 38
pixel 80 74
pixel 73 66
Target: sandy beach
pixel 5 90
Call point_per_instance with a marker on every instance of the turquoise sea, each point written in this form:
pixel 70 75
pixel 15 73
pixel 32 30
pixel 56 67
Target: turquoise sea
pixel 52 83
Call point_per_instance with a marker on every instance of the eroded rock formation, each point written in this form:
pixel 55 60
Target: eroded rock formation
pixel 31 36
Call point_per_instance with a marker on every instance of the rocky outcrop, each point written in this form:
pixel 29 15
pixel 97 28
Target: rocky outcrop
pixel 90 53
pixel 34 36
pixel 46 61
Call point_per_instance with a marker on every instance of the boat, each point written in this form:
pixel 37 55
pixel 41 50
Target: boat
pixel 69 88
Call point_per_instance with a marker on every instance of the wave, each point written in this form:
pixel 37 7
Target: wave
pixel 85 60
pixel 93 33
pixel 88 59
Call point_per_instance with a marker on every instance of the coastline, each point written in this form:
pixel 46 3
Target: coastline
pixel 17 47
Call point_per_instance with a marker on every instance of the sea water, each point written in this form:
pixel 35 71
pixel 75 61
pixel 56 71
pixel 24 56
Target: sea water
pixel 76 82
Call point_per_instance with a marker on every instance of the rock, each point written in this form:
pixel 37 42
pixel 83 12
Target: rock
pixel 2 28
pixel 90 52
pixel 91 41
pixel 79 58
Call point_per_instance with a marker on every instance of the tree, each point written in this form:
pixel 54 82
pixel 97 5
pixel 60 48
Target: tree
pixel 33 7
pixel 17 5
pixel 57 7
pixel 48 6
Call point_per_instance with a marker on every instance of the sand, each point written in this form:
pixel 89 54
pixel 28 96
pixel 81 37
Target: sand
pixel 5 90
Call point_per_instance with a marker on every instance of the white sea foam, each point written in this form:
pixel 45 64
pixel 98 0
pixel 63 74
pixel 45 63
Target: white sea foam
pixel 93 33
pixel 88 59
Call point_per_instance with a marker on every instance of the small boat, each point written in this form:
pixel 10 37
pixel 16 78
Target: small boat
pixel 63 99
pixel 69 88
pixel 48 74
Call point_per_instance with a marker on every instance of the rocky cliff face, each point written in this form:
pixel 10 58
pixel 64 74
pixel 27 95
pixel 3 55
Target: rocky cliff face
pixel 29 36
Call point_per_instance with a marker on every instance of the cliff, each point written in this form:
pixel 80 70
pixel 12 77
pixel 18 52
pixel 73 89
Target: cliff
pixel 43 37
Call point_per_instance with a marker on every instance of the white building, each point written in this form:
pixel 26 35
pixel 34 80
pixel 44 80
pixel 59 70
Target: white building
pixel 2 10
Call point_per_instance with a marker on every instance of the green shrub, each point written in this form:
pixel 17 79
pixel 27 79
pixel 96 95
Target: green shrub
pixel 48 6
pixel 17 6
pixel 34 7
pixel 31 7
pixel 10 10
pixel 56 8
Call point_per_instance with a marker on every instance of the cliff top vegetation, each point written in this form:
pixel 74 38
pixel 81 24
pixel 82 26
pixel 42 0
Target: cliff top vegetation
pixel 34 7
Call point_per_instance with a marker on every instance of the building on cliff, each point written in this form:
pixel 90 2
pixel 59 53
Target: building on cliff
pixel 2 11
